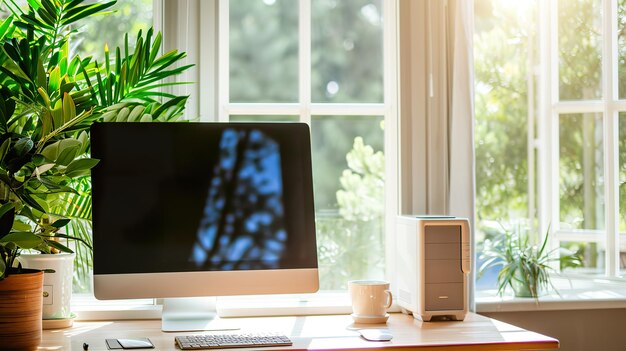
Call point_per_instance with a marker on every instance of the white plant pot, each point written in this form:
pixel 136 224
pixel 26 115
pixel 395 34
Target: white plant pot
pixel 57 286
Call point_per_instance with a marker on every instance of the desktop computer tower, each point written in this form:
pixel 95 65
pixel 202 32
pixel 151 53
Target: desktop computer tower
pixel 433 263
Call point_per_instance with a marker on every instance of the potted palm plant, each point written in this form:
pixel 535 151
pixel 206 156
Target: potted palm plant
pixel 50 96
pixel 525 266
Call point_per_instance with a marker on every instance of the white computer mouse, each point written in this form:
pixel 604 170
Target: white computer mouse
pixel 376 334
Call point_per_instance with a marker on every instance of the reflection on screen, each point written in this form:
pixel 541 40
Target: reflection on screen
pixel 243 221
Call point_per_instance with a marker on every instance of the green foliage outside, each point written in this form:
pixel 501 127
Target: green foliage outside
pixel 343 33
pixel 347 51
pixel 352 244
pixel 501 48
pixel 506 57
pixel 128 16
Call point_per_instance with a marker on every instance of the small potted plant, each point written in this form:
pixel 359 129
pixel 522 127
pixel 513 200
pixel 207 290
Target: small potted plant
pixel 32 175
pixel 525 267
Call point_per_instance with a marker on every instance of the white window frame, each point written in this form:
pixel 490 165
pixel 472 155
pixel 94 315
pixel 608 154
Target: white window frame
pixel 550 108
pixel 576 291
pixel 200 28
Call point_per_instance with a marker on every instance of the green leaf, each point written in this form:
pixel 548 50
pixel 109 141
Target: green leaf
pixel 47 123
pixel 156 45
pixel 57 115
pixel 81 12
pixel 7 216
pixel 55 79
pixel 68 155
pixel 109 116
pixel 52 151
pixel 65 236
pixel 4 148
pixel 69 109
pixel 43 169
pixel 11 67
pixel 146 118
pixel 83 137
pixel 38 159
pixel 57 245
pixel 23 240
pixel 172 102
pixel 55 186
pixel 122 115
pixel 50 8
pixel 82 164
pixel 45 16
pixel 26 212
pixel 60 223
pixel 44 96
pixel 30 201
pixel 23 146
pixel 41 76
pixel 20 226
pixel 34 4
pixel 6 24
pixel 135 113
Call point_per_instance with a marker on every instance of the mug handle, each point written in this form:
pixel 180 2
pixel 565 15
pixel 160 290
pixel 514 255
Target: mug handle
pixel 389 298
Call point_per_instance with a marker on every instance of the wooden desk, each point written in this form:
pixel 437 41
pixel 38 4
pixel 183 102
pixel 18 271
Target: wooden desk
pixel 336 332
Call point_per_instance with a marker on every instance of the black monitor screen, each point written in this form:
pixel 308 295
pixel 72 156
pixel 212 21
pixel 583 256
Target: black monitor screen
pixel 175 197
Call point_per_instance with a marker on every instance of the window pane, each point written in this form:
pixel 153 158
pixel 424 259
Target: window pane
pixel 505 41
pixel 580 45
pixel 263 118
pixel 592 254
pixel 581 172
pixel 128 16
pixel 348 177
pixel 346 49
pixel 263 51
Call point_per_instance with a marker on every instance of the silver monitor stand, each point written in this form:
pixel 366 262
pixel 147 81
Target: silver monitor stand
pixel 192 314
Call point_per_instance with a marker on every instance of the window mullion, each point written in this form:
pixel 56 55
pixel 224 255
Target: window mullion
pixel 223 60
pixel 549 122
pixel 579 106
pixel 554 123
pixel 610 117
pixel 305 61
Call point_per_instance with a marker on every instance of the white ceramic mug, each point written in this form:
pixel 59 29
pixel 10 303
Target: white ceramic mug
pixel 370 299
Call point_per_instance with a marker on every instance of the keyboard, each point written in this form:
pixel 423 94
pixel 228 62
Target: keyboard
pixel 223 341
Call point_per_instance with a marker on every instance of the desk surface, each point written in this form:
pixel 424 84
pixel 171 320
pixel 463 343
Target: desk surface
pixel 336 332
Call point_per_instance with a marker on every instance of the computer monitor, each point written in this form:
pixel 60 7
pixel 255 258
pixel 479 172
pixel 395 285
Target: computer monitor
pixel 202 209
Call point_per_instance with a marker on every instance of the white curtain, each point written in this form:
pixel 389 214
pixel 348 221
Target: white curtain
pixel 437 109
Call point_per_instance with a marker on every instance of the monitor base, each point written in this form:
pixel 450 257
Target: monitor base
pixel 192 314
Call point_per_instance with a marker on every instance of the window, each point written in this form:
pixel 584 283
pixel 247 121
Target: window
pixel 320 62
pixel 550 126
pixel 313 61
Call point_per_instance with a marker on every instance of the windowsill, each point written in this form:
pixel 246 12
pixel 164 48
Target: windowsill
pixel 329 302
pixel 88 308
pixel 574 294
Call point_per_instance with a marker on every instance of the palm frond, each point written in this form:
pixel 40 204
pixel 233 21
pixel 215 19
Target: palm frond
pixel 52 20
pixel 135 79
